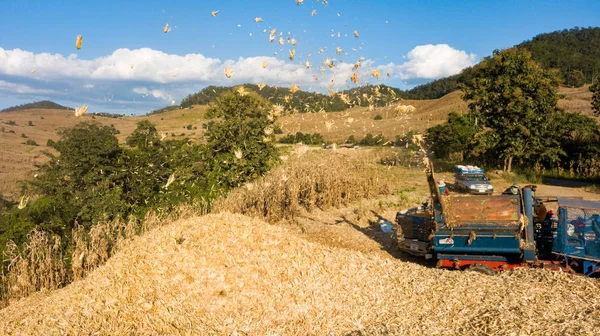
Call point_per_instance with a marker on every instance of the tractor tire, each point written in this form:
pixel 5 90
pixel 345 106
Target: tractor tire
pixel 485 269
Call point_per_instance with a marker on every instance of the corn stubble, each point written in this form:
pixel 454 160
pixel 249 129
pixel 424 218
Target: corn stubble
pixel 232 274
pixel 306 183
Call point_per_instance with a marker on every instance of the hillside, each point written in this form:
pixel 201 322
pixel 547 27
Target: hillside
pixel 565 50
pixel 44 104
pixel 233 275
pixel 20 159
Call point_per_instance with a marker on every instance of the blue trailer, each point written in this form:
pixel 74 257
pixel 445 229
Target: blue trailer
pixel 493 233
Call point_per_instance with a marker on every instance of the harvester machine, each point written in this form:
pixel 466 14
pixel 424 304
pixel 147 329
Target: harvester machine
pixel 492 233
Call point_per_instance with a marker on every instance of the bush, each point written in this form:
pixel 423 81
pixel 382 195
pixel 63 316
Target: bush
pixel 378 117
pixel 11 123
pixel 307 139
pixel 31 143
pixel 370 140
pixel 30 123
pixel 574 78
pixel 23 136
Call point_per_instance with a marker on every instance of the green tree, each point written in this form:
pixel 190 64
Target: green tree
pixel 240 146
pixel 82 183
pixel 574 78
pixel 454 137
pixel 595 89
pixel 144 136
pixel 516 99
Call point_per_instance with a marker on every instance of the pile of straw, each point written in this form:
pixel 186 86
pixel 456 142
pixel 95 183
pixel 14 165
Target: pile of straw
pixel 233 275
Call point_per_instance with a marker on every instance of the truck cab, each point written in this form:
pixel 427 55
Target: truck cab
pixel 471 179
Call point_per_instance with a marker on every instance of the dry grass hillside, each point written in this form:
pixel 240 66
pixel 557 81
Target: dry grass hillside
pixel 17 159
pixel 229 274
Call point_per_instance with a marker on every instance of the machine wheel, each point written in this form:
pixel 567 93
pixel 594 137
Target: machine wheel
pixel 485 269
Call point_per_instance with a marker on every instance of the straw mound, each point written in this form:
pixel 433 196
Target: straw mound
pixel 231 274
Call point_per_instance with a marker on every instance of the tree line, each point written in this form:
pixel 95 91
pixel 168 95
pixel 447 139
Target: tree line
pixel 95 179
pixel 514 120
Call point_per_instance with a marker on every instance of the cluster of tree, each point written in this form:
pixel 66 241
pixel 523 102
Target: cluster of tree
pixel 407 141
pixel 300 101
pixel 568 50
pixel 307 139
pixel 108 115
pixel 94 178
pixel 574 52
pixel 514 118
pixel 303 101
pixel 165 109
pixel 44 104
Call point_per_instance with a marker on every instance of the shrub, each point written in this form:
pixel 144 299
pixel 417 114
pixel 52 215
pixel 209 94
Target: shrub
pixel 30 123
pixel 378 117
pixel 30 142
pixel 574 78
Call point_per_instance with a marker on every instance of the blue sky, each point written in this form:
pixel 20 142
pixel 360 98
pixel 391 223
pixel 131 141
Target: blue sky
pixel 127 64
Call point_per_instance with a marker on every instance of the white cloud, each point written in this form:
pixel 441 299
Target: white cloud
pixel 432 62
pixel 149 77
pixel 21 88
pixel 154 93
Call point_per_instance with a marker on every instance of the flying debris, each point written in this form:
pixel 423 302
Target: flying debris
pixel 375 73
pixel 322 50
pixel 172 102
pixel 292 54
pixel 354 78
pixel 261 86
pixel 332 92
pixel 339 50
pixel 215 13
pixel 264 64
pixel 281 40
pixel 329 63
pixel 167 29
pixel 257 19
pixel 229 72
pixel 271 38
pixel 242 91
pixel 78 42
pixel 163 136
pixel 294 88
pixel 79 111
pixel 33 71
pixel 238 153
pixel 170 180
pixel 299 2
pixel 23 202
pixel 388 74
pixel 361 58
pixel 356 33
pixel 277 110
pixel 314 12
pixel 357 65
pixel 307 64
pixel 293 41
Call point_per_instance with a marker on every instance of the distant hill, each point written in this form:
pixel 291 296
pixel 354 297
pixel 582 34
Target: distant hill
pixel 301 101
pixel 44 104
pixel 565 50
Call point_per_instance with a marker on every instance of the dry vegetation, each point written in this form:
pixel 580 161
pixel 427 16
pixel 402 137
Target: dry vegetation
pixel 17 160
pixel 231 274
pixel 331 271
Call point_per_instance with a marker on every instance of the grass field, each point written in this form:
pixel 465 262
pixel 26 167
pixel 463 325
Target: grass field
pixel 17 160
